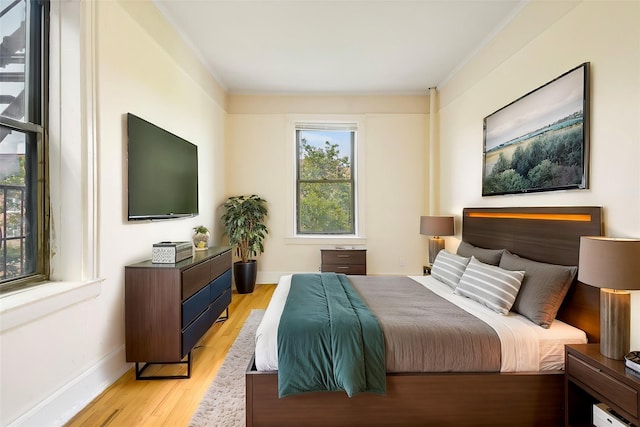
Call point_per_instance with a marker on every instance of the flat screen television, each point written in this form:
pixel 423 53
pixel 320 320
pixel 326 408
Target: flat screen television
pixel 162 173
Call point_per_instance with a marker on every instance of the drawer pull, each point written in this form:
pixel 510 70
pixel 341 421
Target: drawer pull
pixel 343 256
pixel 593 368
pixel 343 267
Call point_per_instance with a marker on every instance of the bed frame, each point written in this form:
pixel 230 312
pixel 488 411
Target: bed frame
pixel 460 399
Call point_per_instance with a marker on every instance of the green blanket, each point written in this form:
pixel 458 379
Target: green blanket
pixel 328 340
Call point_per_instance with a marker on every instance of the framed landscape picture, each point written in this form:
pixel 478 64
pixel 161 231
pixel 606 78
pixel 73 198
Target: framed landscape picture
pixel 540 142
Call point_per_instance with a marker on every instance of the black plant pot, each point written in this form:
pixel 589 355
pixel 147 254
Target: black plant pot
pixel 245 274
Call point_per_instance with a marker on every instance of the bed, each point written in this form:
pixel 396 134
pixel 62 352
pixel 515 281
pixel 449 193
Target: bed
pixel 461 398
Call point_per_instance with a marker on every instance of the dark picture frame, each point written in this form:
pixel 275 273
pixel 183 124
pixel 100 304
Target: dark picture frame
pixel 540 142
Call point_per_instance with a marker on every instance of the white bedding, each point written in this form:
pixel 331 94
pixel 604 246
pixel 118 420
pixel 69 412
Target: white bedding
pixel 526 347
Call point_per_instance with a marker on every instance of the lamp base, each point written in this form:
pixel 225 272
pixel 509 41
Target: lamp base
pixel 436 244
pixel 615 320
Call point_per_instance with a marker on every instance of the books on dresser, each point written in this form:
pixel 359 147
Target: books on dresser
pixel 632 361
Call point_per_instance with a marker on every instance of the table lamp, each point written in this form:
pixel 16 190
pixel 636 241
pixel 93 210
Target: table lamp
pixel 613 265
pixel 436 226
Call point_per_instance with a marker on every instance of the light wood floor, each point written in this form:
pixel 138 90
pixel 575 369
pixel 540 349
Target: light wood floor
pixel 172 402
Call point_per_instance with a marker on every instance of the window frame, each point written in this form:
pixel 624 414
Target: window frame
pixel 35 127
pixel 327 126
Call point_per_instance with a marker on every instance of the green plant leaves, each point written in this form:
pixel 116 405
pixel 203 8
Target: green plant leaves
pixel 243 219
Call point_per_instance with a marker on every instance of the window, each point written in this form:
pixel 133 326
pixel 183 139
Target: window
pixel 325 179
pixel 23 113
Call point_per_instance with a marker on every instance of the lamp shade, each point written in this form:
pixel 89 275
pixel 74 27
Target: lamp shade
pixel 613 265
pixel 607 262
pixel 436 225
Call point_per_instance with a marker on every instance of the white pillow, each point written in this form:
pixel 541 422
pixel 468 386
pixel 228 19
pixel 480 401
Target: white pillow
pixel 492 286
pixel 448 268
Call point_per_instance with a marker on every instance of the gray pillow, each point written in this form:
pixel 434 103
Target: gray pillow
pixel 448 268
pixel 543 288
pixel 489 285
pixel 488 256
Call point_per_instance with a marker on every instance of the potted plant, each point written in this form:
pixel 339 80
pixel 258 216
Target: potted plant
pixel 201 237
pixel 243 220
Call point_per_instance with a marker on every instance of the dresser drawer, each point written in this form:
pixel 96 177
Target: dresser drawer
pixel 195 331
pixel 219 305
pixel 220 285
pixel 604 385
pixel 195 305
pixel 344 257
pixel 220 264
pixel 195 278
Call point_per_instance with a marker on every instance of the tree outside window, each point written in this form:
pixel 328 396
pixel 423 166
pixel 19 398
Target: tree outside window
pixel 325 199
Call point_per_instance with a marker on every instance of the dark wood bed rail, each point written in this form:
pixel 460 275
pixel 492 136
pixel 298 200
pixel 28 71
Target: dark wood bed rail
pixel 417 399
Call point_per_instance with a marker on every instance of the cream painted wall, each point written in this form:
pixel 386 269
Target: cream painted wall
pixel 604 33
pixel 152 86
pixel 392 144
pixel 55 364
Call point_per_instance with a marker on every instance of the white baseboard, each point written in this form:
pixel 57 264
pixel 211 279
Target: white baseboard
pixel 61 406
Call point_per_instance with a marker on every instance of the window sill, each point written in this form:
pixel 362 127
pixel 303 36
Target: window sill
pixel 345 241
pixel 24 306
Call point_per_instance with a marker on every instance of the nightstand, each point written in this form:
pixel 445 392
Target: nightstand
pixel 591 378
pixel 347 261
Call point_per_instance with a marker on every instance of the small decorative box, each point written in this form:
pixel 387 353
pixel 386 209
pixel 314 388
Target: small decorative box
pixel 170 252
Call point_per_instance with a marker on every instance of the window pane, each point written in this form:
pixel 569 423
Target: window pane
pixel 325 208
pixel 23 155
pixel 18 216
pixel 13 34
pixel 325 185
pixel 324 154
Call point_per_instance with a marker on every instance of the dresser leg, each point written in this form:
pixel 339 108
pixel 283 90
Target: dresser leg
pixel 140 370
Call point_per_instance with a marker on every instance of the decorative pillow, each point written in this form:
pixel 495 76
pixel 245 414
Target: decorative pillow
pixel 448 268
pixel 492 286
pixel 543 288
pixel 487 256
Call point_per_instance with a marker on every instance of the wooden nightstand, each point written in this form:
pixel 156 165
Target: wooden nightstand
pixel 347 261
pixel 591 378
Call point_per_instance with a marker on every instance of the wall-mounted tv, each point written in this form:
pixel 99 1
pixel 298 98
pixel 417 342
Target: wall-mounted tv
pixel 162 173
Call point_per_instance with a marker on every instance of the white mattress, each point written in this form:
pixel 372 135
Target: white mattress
pixel 526 347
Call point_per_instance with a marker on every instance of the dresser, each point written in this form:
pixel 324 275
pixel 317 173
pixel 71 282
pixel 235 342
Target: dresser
pixel 169 307
pixel 347 261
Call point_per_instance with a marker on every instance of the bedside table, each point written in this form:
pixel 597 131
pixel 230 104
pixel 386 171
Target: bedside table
pixel 591 378
pixel 347 261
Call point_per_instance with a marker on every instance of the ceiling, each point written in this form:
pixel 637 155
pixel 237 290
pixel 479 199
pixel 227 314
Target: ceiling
pixel 336 46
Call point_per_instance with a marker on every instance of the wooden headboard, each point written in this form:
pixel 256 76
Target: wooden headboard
pixel 545 234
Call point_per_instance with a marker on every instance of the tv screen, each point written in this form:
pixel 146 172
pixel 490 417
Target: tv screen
pixel 162 173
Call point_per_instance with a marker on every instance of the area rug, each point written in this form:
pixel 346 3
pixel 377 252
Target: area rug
pixel 224 402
